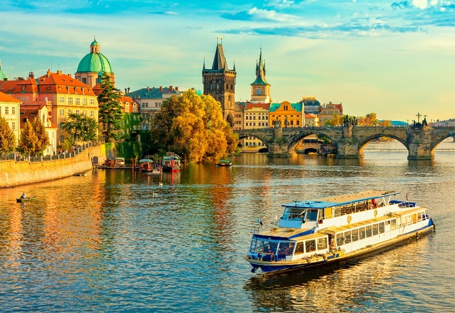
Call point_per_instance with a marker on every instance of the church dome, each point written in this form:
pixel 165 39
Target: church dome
pixel 95 61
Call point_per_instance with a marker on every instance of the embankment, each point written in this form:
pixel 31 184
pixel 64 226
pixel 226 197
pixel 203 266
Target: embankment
pixel 14 173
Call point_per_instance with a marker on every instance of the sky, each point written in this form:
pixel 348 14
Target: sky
pixel 392 58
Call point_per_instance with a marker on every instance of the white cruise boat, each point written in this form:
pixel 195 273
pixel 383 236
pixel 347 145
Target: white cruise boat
pixel 334 229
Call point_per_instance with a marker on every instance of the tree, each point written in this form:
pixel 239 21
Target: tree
pixel 368 120
pixel 336 120
pixel 80 128
pixel 110 108
pixel 7 138
pixel 29 140
pixel 43 138
pixel 193 126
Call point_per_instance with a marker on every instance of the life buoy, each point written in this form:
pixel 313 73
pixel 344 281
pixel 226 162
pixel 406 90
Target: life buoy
pixel 349 218
pixel 375 213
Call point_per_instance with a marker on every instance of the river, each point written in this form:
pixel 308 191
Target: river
pixel 125 241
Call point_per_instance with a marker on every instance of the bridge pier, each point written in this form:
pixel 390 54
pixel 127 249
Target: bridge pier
pixel 348 149
pixel 420 145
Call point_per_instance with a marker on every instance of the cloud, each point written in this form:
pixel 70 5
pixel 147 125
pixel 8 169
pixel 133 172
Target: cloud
pixel 256 14
pixel 163 13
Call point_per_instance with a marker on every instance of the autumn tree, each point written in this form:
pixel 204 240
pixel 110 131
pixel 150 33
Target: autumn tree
pixel 29 141
pixel 7 138
pixel 368 120
pixel 336 120
pixel 193 126
pixel 41 134
pixel 80 128
pixel 110 108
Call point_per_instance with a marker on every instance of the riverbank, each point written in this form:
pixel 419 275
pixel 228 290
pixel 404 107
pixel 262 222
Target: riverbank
pixel 13 173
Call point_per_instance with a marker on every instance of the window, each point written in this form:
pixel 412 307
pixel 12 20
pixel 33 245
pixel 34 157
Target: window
pixel 92 101
pixel 368 231
pixel 92 114
pixel 62 112
pixel 355 235
pixel 13 110
pixel 78 101
pixel 322 243
pixel 6 110
pixel 299 248
pixel 347 237
pixel 13 125
pixel 70 101
pixel 362 233
pixel 69 112
pixel 381 227
pixel 77 112
pixel 375 229
pixel 84 101
pixel 62 100
pixel 340 239
pixel 310 246
pixel 393 224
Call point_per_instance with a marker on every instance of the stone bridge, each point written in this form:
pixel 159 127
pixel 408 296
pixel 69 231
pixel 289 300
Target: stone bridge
pixel 351 140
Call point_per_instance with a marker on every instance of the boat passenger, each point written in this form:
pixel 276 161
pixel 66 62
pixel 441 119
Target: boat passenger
pixel 23 196
pixel 373 201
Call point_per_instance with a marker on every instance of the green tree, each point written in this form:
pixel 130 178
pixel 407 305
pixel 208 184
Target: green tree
pixel 193 126
pixel 7 138
pixel 110 108
pixel 43 138
pixel 80 128
pixel 29 141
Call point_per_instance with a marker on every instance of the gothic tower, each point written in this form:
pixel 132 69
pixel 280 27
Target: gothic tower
pixel 219 82
pixel 260 88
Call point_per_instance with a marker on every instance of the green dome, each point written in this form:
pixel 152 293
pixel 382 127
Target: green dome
pixel 94 43
pixel 94 62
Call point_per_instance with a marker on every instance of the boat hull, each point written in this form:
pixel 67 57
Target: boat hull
pixel 18 200
pixel 270 268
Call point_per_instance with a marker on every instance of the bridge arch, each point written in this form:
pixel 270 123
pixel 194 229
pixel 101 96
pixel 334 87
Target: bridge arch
pixel 437 139
pixel 245 134
pixel 366 140
pixel 303 134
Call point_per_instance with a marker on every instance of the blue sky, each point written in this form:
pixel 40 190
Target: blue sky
pixel 394 58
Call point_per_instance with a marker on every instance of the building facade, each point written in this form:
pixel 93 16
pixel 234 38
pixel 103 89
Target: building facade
pixel 219 82
pixel 256 116
pixel 10 110
pixel 328 111
pixel 287 114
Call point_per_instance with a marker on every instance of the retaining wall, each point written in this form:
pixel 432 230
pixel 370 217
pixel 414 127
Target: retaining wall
pixel 14 173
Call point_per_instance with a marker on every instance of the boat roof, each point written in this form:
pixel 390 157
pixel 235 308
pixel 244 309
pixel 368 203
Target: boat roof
pixel 340 200
pixel 145 160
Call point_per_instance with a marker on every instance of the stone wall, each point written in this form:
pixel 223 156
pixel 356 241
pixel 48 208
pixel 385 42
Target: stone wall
pixel 14 173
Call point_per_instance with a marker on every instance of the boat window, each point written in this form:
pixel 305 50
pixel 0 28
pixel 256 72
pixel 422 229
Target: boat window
pixel 409 220
pixel 311 215
pixel 340 239
pixel 299 248
pixel 414 218
pixel 268 247
pixel 310 246
pixel 355 235
pixel 362 233
pixel 419 216
pixel 347 237
pixel 254 246
pixel 285 248
pixel 322 243
pixel 293 214
pixel 381 227
pixel 375 229
pixel 368 230
pixel 393 224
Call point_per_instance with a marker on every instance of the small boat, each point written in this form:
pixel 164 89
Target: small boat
pixel 119 162
pixel 146 165
pixel 80 174
pixel 335 229
pixel 171 162
pixel 26 199
pixel 224 163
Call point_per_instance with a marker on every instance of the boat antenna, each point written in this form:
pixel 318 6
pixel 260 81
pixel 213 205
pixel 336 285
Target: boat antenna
pixel 259 221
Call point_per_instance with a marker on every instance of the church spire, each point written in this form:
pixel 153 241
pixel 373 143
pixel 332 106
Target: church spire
pixel 260 71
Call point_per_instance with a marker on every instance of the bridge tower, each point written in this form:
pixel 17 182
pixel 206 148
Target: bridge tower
pixel 219 82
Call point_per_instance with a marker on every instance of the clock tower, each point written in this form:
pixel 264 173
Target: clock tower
pixel 260 88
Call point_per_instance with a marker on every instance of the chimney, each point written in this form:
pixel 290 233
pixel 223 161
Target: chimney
pixel 48 72
pixel 59 72
pixel 176 88
pixel 69 75
pixel 170 88
pixel 31 75
pixel 161 88
pixel 148 88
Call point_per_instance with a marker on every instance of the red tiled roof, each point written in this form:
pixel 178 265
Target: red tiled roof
pixel 7 98
pixel 250 106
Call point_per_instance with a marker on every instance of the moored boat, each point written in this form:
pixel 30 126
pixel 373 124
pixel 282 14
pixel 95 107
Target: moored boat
pixel 224 163
pixel 335 229
pixel 171 162
pixel 146 165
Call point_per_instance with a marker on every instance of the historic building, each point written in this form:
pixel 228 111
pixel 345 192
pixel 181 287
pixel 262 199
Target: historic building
pixel 219 82
pixel 10 110
pixel 238 116
pixel 62 94
pixel 93 65
pixel 287 114
pixel 328 111
pixel 310 105
pixel 260 88
pixel 256 116
pixel 41 110
pixel 150 100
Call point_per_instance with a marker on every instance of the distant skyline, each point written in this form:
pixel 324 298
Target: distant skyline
pixel 393 58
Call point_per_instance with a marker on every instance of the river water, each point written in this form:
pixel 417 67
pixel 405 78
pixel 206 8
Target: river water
pixel 124 241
